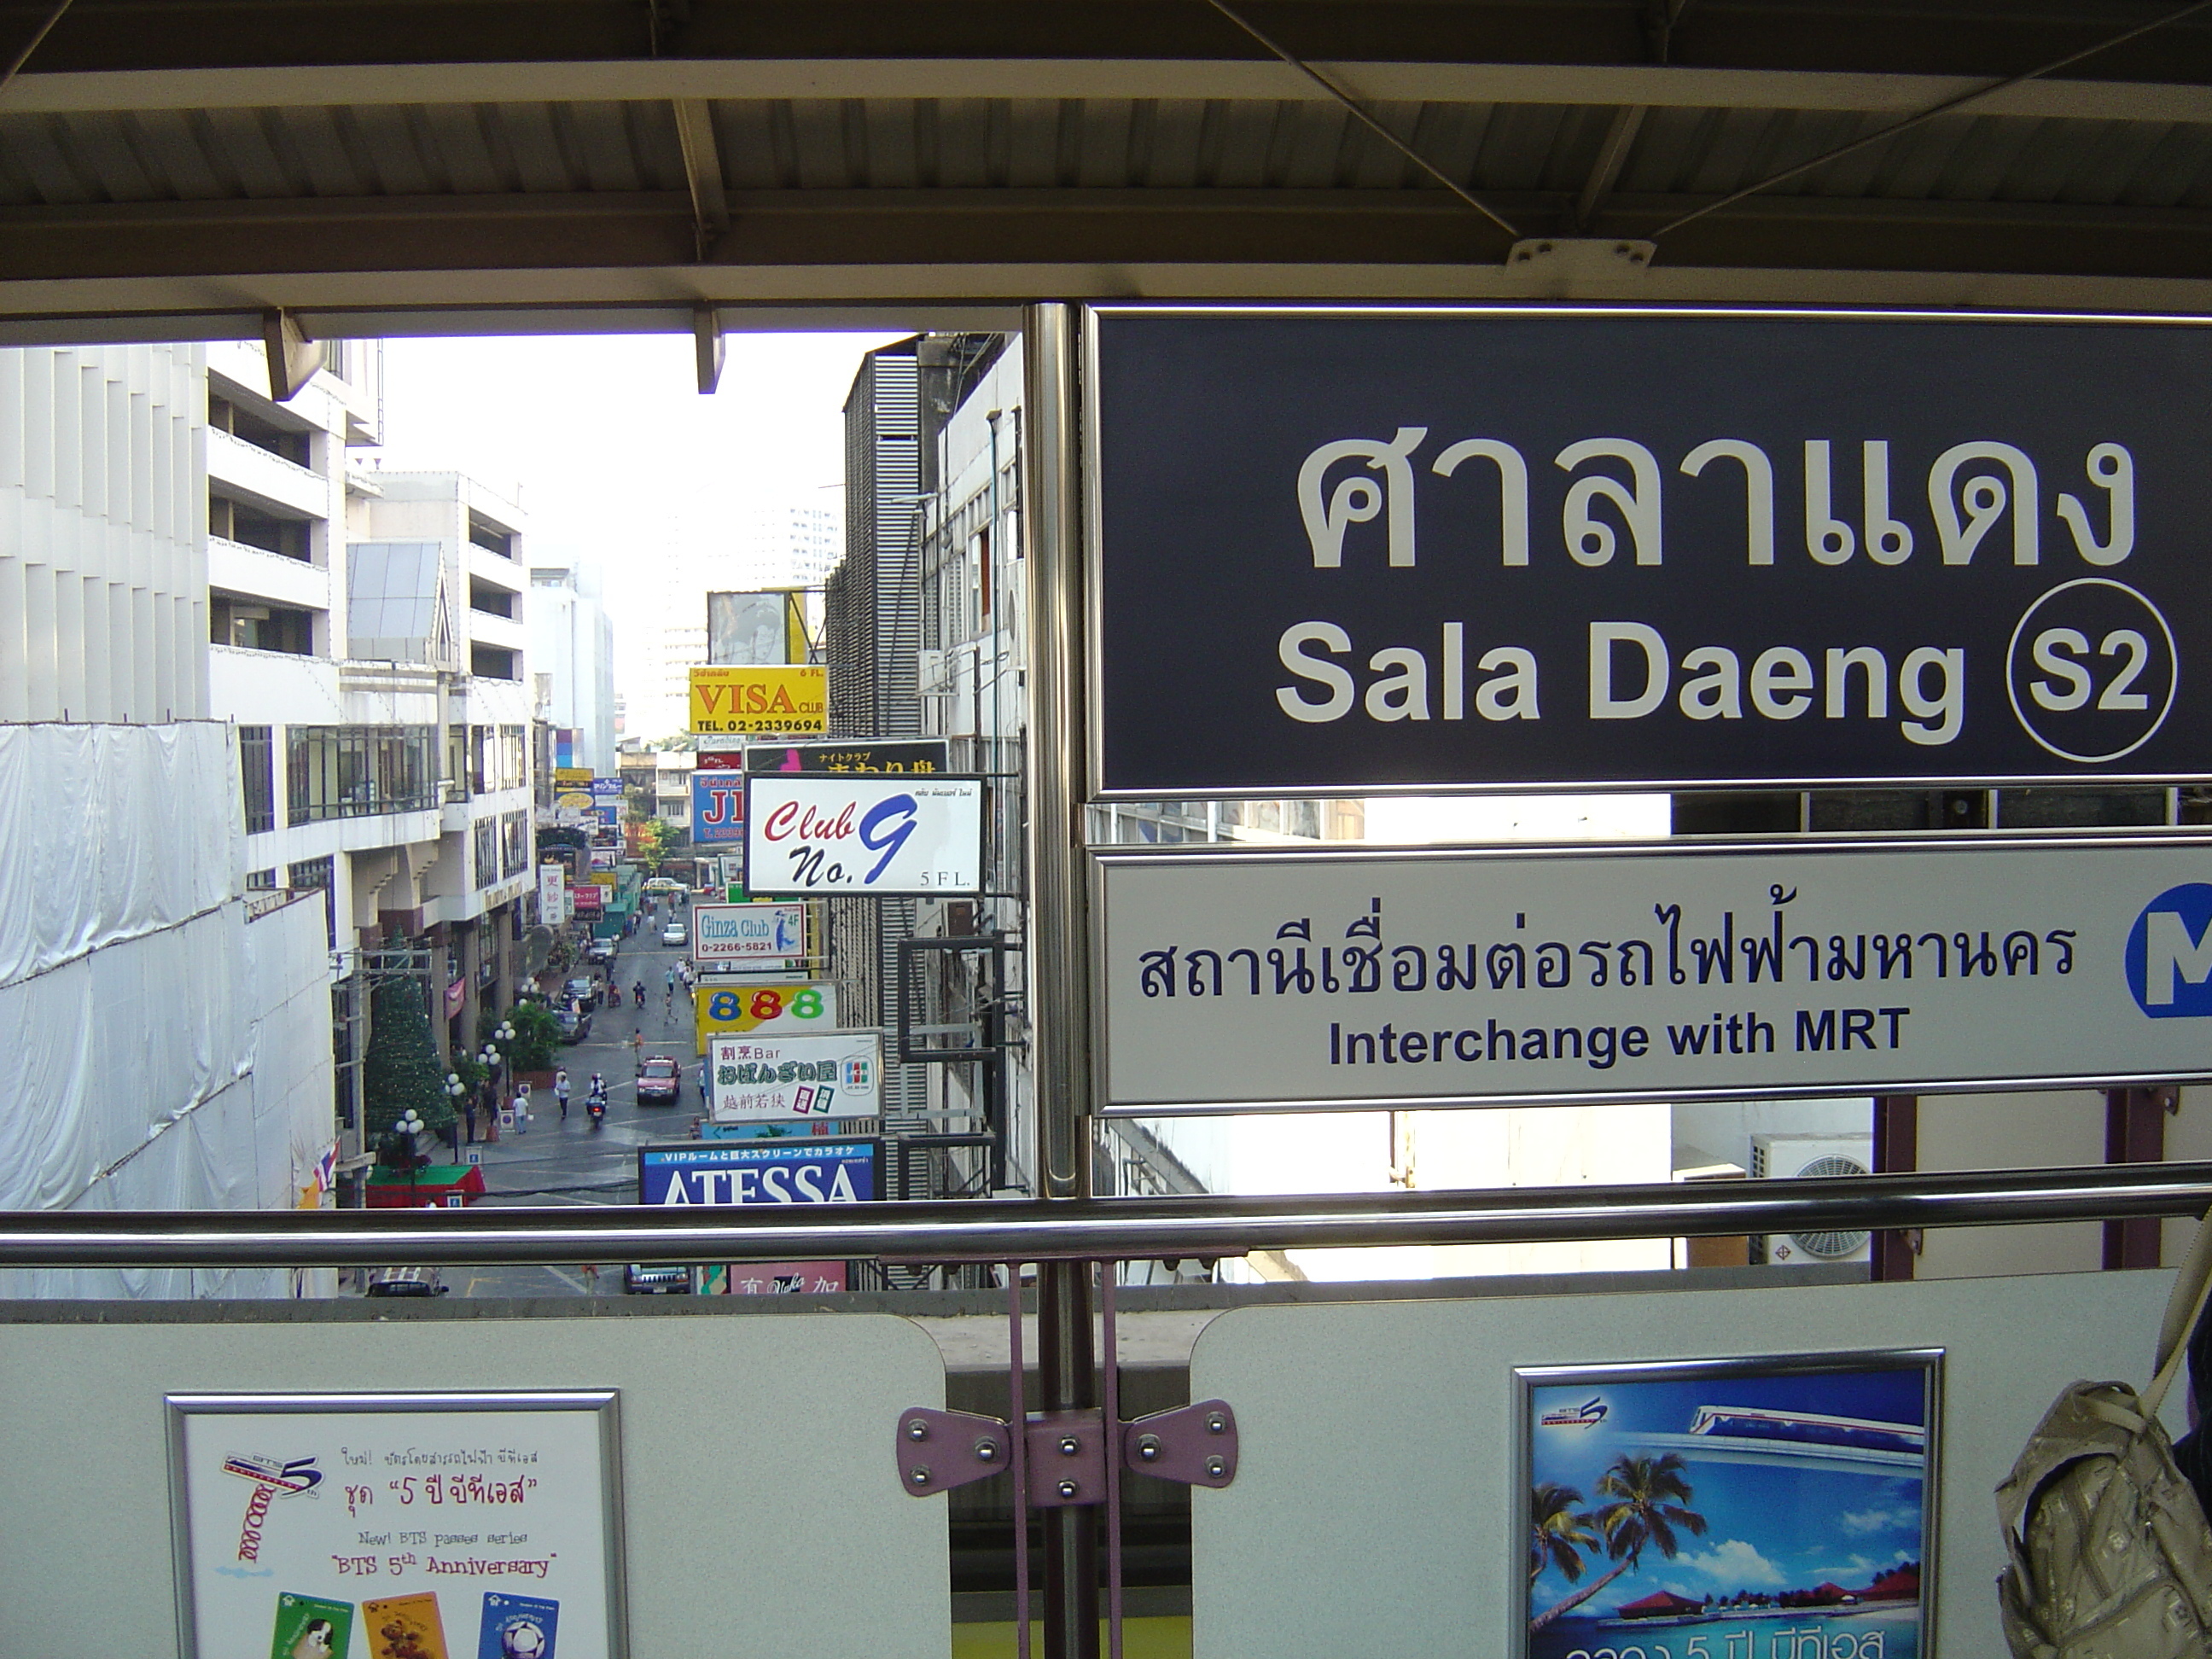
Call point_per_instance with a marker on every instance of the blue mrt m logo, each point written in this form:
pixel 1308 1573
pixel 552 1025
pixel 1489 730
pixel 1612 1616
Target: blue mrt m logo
pixel 2169 957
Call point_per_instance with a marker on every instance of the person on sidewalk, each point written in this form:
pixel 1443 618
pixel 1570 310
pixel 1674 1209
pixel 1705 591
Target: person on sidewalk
pixel 522 1109
pixel 561 1092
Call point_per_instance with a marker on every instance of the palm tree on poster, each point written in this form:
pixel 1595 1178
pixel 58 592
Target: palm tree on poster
pixel 1647 1499
pixel 1557 1535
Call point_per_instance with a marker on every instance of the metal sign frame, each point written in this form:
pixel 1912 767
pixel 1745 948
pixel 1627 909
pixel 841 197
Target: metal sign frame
pixel 1104 859
pixel 1093 551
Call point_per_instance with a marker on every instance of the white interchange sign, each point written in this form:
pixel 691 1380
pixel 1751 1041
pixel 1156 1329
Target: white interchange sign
pixel 1242 981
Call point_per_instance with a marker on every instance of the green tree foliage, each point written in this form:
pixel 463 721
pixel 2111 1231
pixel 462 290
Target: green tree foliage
pixel 1557 1535
pixel 402 1068
pixel 1643 1500
pixel 536 1036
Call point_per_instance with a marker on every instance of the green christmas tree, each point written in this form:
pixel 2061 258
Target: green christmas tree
pixel 402 1068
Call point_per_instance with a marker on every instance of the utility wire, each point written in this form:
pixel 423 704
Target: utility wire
pixel 1949 106
pixel 15 63
pixel 1359 113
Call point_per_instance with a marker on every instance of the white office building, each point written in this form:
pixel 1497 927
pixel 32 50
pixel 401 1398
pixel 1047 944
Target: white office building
pixel 571 660
pixel 169 1030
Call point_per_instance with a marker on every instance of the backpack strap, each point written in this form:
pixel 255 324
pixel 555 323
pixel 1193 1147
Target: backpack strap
pixel 2192 1286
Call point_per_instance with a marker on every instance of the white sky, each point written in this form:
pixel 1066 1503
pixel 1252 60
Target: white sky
pixel 614 453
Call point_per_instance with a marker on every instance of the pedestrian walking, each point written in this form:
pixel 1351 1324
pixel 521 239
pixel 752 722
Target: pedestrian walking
pixel 561 1092
pixel 522 1109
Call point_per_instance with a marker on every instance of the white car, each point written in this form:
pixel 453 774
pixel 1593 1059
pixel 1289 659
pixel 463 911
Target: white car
pixel 675 933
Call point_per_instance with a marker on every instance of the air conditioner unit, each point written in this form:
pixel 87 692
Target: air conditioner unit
pixel 1792 1157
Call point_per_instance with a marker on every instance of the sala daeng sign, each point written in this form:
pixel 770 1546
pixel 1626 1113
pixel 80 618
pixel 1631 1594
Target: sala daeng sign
pixel 1243 981
pixel 1510 548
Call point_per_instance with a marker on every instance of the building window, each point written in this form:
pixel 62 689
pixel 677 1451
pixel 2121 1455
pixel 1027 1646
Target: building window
pixel 490 662
pixel 225 415
pixel 514 844
pixel 357 771
pixel 309 873
pixel 249 625
pixel 492 601
pixel 261 881
pixel 235 521
pixel 257 757
pixel 485 833
pixel 491 537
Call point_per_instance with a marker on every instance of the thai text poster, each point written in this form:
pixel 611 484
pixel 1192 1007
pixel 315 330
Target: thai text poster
pixel 397 1526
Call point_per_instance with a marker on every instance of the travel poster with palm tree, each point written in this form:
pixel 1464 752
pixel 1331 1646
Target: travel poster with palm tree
pixel 1730 1509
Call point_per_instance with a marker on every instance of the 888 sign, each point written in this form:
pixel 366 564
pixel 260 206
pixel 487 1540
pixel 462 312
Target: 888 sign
pixel 736 1010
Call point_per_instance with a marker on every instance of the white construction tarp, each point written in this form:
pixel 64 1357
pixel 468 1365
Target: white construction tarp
pixel 165 1051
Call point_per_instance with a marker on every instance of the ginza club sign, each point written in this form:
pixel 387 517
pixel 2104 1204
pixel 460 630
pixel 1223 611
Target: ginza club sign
pixel 1511 549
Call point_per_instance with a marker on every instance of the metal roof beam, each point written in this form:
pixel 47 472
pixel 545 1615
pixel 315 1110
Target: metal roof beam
pixel 756 80
pixel 855 231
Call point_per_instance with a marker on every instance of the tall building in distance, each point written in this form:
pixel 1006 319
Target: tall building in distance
pixel 572 657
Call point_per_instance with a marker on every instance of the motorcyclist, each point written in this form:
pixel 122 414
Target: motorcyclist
pixel 595 1103
pixel 637 991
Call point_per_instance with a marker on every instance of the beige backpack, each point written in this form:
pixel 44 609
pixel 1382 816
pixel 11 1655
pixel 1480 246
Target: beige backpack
pixel 2108 1553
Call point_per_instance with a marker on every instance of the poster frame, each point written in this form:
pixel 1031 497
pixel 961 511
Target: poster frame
pixel 1090 508
pixel 605 1404
pixel 1526 1379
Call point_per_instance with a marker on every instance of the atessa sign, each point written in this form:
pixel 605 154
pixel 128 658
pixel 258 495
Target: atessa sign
pixel 874 834
pixel 1465 548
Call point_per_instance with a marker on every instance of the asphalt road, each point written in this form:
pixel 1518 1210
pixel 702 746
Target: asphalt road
pixel 557 1162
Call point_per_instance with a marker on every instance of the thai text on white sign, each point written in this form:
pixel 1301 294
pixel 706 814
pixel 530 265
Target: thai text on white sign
pixel 1242 982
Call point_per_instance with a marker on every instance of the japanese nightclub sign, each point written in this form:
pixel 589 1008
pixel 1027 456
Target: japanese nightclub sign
pixel 717 808
pixel 780 1077
pixel 1499 549
pixel 863 834
pixel 1300 980
pixel 740 1172
pixel 747 935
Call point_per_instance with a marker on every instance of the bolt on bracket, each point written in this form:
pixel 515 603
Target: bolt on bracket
pixel 1193 1445
pixel 939 1450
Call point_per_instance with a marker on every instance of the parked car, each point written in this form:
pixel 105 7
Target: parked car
pixel 576 1022
pixel 638 1280
pixel 600 951
pixel 675 933
pixel 660 1079
pixel 403 1281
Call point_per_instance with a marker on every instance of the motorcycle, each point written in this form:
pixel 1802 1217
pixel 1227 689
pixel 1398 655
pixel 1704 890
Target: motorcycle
pixel 596 1109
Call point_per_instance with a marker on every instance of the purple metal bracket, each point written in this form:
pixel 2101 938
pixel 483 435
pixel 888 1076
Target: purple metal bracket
pixel 939 1450
pixel 1195 1445
pixel 1066 1458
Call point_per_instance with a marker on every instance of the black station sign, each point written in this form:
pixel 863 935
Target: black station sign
pixel 1453 549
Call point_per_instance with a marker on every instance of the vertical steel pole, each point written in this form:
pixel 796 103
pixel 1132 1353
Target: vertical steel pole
pixel 1059 924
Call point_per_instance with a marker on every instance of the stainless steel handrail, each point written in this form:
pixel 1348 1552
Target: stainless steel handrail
pixel 1123 1229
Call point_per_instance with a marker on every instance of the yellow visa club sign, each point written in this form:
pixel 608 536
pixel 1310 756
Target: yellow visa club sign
pixel 726 701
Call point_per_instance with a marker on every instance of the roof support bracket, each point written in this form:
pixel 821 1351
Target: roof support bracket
pixel 707 346
pixel 292 358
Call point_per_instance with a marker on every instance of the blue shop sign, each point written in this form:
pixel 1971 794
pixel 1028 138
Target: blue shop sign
pixel 808 1171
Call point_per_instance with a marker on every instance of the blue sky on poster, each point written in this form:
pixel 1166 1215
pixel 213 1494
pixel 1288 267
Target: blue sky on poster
pixel 1768 1528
